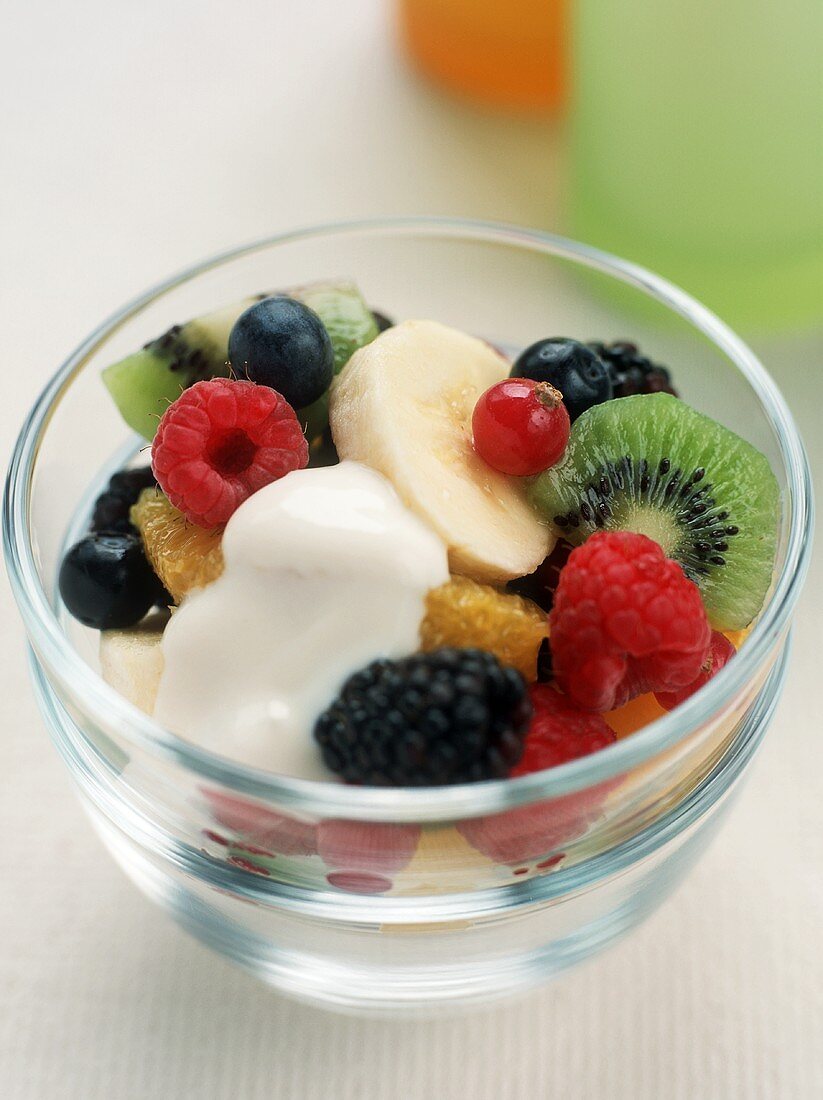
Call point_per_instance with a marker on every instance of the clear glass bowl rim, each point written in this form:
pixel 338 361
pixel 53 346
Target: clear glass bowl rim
pixel 103 704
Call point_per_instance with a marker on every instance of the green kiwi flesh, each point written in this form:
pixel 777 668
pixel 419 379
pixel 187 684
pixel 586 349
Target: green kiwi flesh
pixel 144 384
pixel 654 465
pixel 350 325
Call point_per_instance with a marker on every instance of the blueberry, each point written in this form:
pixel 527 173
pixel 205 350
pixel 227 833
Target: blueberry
pixel 162 597
pixel 281 343
pixel 106 582
pixel 571 367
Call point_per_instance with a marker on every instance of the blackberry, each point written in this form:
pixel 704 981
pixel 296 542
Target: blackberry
pixel 448 716
pixel 111 509
pixel 631 371
pixel 111 514
pixel 129 484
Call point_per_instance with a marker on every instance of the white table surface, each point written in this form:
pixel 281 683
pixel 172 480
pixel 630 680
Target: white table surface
pixel 134 138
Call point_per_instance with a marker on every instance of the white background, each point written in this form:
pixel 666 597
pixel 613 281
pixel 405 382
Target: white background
pixel 134 138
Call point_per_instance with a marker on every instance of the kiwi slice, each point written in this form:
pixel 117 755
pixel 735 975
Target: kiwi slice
pixel 347 319
pixel 144 384
pixel 652 464
pixel 350 325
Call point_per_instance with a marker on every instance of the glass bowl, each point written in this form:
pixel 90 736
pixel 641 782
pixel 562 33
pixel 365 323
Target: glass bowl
pixel 392 899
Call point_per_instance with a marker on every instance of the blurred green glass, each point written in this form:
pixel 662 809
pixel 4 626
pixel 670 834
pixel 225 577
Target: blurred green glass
pixel 698 147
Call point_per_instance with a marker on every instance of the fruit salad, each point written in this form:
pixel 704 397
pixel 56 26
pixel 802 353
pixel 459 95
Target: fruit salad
pixel 378 552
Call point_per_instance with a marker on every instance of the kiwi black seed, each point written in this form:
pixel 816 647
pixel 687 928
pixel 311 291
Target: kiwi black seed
pixel 144 384
pixel 652 464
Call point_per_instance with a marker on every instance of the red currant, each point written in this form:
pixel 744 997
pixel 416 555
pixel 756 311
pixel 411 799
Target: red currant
pixel 721 652
pixel 520 426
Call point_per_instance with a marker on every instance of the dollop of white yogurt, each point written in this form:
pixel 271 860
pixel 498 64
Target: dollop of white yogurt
pixel 325 570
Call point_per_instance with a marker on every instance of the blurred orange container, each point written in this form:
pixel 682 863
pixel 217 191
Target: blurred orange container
pixel 502 53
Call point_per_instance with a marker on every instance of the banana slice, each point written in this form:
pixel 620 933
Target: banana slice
pixel 403 405
pixel 131 661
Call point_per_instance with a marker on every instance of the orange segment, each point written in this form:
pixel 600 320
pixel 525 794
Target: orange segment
pixel 645 708
pixel 465 613
pixel 634 715
pixel 182 555
pixel 738 637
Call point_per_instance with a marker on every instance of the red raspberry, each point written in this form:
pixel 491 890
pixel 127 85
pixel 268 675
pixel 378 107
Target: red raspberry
pixel 520 426
pixel 720 653
pixel 559 732
pixel 626 620
pixel 220 442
